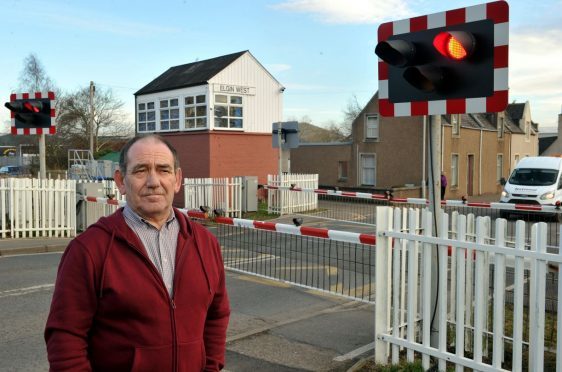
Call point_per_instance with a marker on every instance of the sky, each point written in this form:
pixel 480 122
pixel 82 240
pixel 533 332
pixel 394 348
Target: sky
pixel 322 51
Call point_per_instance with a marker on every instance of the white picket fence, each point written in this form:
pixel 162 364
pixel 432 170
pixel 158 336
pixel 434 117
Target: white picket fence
pixel 482 338
pixel 37 208
pixel 286 201
pixel 215 193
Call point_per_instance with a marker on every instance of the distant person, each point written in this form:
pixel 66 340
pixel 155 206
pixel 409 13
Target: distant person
pixel 443 185
pixel 144 288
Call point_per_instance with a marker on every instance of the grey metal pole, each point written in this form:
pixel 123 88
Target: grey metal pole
pixel 435 208
pixel 92 90
pixel 280 139
pixel 42 154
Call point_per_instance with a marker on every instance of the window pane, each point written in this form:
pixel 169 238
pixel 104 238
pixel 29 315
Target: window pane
pixel 221 123
pixel 189 112
pixel 175 114
pixel 151 126
pixel 189 123
pixel 201 110
pixel 142 116
pixel 236 123
pixel 189 100
pixel 220 111
pixel 201 122
pixel 236 100
pixel 150 106
pixel 163 104
pixel 142 106
pixel 164 115
pixel 236 111
pixel 220 98
pixel 164 125
pixel 174 124
pixel 151 115
pixel 142 127
pixel 200 99
pixel 174 102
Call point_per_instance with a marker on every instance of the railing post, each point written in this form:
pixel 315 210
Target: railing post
pixel 382 279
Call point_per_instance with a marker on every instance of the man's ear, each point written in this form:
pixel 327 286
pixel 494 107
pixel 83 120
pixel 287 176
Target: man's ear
pixel 179 179
pixel 119 181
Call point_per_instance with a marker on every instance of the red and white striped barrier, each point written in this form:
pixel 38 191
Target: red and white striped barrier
pixel 421 201
pixel 342 236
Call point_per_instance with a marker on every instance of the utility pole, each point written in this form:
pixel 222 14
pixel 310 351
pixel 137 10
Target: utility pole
pixel 92 91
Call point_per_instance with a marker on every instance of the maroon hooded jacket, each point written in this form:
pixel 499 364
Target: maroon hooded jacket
pixel 112 312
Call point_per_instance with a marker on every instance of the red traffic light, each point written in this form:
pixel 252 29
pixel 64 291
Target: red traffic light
pixel 456 45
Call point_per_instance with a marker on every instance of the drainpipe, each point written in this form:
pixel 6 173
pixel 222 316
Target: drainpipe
pixel 423 181
pixel 480 166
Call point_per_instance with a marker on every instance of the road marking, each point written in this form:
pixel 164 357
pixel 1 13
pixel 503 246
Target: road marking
pixel 355 353
pixel 27 290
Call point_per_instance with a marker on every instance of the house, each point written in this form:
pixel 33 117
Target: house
pixel 550 144
pixel 477 151
pixel 218 113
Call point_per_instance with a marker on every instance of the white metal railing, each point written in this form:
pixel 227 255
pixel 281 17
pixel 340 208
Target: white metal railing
pixel 468 301
pixel 284 201
pixel 215 193
pixel 37 208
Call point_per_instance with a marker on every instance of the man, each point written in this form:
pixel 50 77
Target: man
pixel 144 288
pixel 443 185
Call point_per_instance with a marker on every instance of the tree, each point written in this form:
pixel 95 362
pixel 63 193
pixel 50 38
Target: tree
pixel 351 112
pixel 33 77
pixel 73 121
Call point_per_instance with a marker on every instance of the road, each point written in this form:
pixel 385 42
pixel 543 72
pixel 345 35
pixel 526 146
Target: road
pixel 274 327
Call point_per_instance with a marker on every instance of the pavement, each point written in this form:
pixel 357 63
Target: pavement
pixel 274 326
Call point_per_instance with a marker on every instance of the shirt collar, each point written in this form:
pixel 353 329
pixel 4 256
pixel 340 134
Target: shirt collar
pixel 129 212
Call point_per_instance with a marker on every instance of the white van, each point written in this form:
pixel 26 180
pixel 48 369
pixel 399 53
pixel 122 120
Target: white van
pixel 535 180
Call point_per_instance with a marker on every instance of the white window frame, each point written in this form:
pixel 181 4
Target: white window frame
pixel 343 170
pixel 144 109
pixel 363 156
pixel 499 167
pixel 199 118
pixel 372 127
pixel 454 170
pixel 501 126
pixel 456 124
pixel 171 106
pixel 230 106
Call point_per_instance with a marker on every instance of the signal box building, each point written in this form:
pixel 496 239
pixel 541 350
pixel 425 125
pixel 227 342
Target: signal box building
pixel 218 113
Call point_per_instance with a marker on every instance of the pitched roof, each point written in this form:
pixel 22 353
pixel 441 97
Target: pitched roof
pixel 515 110
pixel 188 75
pixel 544 143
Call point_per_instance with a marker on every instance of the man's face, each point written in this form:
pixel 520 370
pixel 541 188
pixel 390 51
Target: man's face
pixel 150 182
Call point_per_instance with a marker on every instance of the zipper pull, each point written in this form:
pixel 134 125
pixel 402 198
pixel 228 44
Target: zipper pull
pixel 173 303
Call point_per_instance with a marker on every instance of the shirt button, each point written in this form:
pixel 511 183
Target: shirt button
pixel 165 260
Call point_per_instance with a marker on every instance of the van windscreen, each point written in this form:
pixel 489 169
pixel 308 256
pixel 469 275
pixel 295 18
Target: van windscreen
pixel 533 177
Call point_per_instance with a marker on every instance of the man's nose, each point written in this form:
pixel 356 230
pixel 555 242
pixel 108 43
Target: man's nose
pixel 152 179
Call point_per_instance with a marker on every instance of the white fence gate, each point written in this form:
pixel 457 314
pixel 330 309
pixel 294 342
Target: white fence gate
pixel 287 201
pixel 37 208
pixel 215 193
pixel 486 332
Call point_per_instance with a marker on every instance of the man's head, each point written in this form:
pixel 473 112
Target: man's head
pixel 149 176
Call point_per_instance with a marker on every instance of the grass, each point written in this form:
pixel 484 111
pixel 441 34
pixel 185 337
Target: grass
pixel 261 214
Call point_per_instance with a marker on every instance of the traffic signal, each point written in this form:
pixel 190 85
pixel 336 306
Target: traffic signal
pixel 32 114
pixel 444 63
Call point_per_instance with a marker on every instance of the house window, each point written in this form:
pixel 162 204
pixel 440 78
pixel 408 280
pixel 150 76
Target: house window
pixel 454 170
pixel 195 108
pixel 516 158
pixel 146 117
pixel 499 167
pixel 229 111
pixel 527 131
pixel 372 127
pixel 501 126
pixel 169 114
pixel 368 169
pixel 456 123
pixel 342 170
